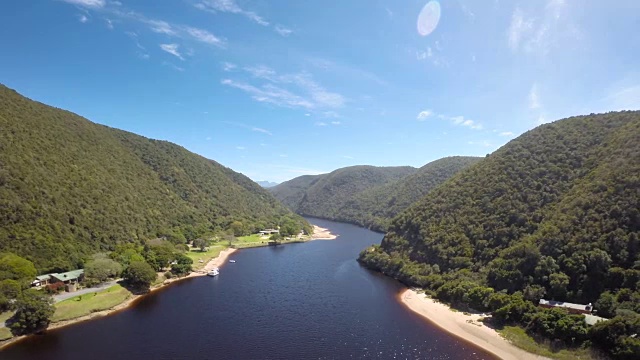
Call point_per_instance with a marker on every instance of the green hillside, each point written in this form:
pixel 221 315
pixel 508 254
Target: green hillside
pixel 554 213
pixel 69 187
pixel 374 208
pixel 326 195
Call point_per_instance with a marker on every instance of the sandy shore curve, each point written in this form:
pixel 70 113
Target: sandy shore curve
pixel 466 327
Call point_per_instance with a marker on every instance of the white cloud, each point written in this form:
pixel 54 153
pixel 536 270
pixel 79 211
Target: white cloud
pixel 542 120
pixel 347 157
pixel 160 27
pixel 271 94
pixel 534 98
pixel 173 66
pixel 109 24
pixel 458 120
pixel 264 131
pixel 290 90
pixel 204 36
pixel 241 148
pixel 172 49
pixel 208 138
pixel 229 6
pixel 626 98
pixel 283 31
pixel 424 114
pixel 87 3
pixel 284 155
pixel 331 114
pixel 320 123
pixel 227 66
pixel 483 143
pixel 83 18
pixel 307 114
pixel 335 123
pixel 506 133
pixel 518 28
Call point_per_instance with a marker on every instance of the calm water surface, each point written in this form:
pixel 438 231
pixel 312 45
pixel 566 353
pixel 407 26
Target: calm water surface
pixel 299 301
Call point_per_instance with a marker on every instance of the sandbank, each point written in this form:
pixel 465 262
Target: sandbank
pixel 465 326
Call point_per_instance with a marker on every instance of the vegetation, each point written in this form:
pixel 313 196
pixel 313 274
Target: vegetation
pixel 140 274
pixel 325 195
pixel 554 213
pixel 33 313
pixel 102 269
pixel 16 275
pixel 365 195
pixel 88 303
pixel 70 188
pixel 376 207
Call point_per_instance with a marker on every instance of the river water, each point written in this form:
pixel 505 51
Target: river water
pixel 298 301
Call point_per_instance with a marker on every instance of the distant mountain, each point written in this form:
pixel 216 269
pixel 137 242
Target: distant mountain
pixel 326 195
pixel 375 207
pixel 266 184
pixel 69 187
pixel 366 195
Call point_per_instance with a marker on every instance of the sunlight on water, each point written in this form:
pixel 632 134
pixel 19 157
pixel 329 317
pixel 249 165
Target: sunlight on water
pixel 429 18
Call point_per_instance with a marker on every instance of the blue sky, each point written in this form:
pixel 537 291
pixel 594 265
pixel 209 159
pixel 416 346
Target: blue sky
pixel 278 89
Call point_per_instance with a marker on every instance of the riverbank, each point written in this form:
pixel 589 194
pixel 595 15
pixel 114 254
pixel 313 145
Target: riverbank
pixel 465 326
pixel 320 233
pixel 216 262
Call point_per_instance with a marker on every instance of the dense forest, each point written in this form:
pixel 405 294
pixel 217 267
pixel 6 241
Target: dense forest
pixel 554 213
pixel 376 207
pixel 69 188
pixel 365 195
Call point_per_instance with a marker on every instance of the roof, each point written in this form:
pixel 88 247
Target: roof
pixel 592 319
pixel 69 275
pixel 566 305
pixel 43 277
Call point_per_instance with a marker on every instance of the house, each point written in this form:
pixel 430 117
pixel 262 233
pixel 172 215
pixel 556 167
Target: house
pixel 592 319
pixel 268 232
pixel 69 278
pixel 572 308
pixel 41 280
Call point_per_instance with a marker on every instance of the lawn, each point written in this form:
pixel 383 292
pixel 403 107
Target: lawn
pixel 196 255
pixel 518 337
pixel 5 316
pixel 89 303
pixel 5 334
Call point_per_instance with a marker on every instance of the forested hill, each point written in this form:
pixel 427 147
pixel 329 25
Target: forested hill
pixel 554 213
pixel 325 195
pixel 374 208
pixel 69 187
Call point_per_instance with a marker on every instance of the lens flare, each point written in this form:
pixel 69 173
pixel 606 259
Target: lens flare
pixel 429 18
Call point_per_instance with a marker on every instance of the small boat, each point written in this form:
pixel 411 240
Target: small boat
pixel 232 261
pixel 213 272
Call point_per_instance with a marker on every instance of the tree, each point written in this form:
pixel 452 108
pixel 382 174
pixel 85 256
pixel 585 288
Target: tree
pixel 237 228
pixel 201 243
pixel 102 269
pixel 33 314
pixel 140 274
pixel 16 268
pixel 182 265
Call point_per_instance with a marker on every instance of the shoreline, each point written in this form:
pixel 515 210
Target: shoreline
pixel 320 233
pixel 465 327
pixel 218 261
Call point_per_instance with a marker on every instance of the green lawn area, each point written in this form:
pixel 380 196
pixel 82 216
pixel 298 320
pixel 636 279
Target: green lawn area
pixel 196 255
pixel 5 334
pixel 518 337
pixel 5 316
pixel 89 303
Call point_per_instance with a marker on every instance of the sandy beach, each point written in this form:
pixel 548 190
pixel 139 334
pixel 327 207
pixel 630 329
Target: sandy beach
pixel 467 327
pixel 320 233
pixel 213 263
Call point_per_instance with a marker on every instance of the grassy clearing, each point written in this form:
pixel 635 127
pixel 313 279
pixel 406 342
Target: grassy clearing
pixel 196 255
pixel 5 316
pixel 88 303
pixel 518 337
pixel 5 334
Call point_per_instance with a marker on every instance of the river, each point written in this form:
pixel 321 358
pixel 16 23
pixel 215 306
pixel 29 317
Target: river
pixel 300 301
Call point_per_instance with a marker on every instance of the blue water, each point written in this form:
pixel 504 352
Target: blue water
pixel 298 301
